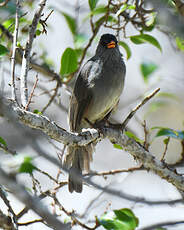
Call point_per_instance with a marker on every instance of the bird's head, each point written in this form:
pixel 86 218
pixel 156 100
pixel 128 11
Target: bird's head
pixel 108 41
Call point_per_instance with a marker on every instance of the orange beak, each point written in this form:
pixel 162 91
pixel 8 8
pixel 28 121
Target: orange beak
pixel 111 44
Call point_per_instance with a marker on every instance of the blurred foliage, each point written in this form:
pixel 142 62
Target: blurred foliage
pixel 133 136
pixel 3 50
pixel 147 69
pixel 169 133
pixel 3 142
pixel 122 219
pixel 27 165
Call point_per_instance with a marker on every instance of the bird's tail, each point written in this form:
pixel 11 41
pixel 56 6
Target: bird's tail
pixel 77 159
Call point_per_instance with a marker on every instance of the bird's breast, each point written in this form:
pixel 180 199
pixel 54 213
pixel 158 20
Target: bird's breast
pixel 106 89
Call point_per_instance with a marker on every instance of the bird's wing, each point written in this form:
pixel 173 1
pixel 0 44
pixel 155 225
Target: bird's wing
pixel 81 96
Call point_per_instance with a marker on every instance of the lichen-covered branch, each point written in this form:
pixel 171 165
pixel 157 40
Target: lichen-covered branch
pixel 115 135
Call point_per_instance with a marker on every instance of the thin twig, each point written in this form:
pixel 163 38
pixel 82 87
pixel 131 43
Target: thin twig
pixel 165 150
pixel 32 202
pixel 95 31
pixel 146 132
pixel 32 92
pixel 27 52
pixel 71 215
pixel 46 174
pixel 3 195
pixel 43 22
pixel 6 223
pixel 112 172
pixel 15 36
pixel 52 98
pixel 30 222
pixel 7 150
pixel 132 113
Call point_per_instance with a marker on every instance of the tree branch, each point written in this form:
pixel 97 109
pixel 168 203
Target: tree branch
pixel 27 52
pixel 115 135
pixel 6 222
pixel 15 36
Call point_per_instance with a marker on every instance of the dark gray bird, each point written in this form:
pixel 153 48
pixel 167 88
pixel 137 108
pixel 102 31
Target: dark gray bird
pixel 96 93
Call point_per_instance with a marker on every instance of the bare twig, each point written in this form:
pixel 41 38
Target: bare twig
pixel 52 97
pixel 6 222
pixel 15 36
pixel 6 201
pixel 146 133
pixel 72 216
pixel 112 172
pixel 7 150
pixel 95 31
pixel 43 22
pixel 32 202
pixel 30 222
pixel 166 147
pixel 46 174
pixel 132 113
pixel 32 92
pixel 26 54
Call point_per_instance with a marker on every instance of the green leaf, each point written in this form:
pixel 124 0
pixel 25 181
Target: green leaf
pixel 127 49
pixel 9 24
pixel 169 133
pixel 142 38
pixel 133 136
pixel 180 43
pixel 99 10
pixel 122 9
pixel 101 20
pixel 68 61
pixel 92 4
pixel 3 50
pixel 117 146
pixel 147 68
pixel 123 219
pixel 102 9
pixel 27 166
pixel 38 32
pixel 131 7
pixel 3 142
pixel 37 112
pixel 137 39
pixel 71 22
pixel 166 140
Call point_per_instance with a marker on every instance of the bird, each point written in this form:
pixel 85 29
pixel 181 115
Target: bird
pixel 96 94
